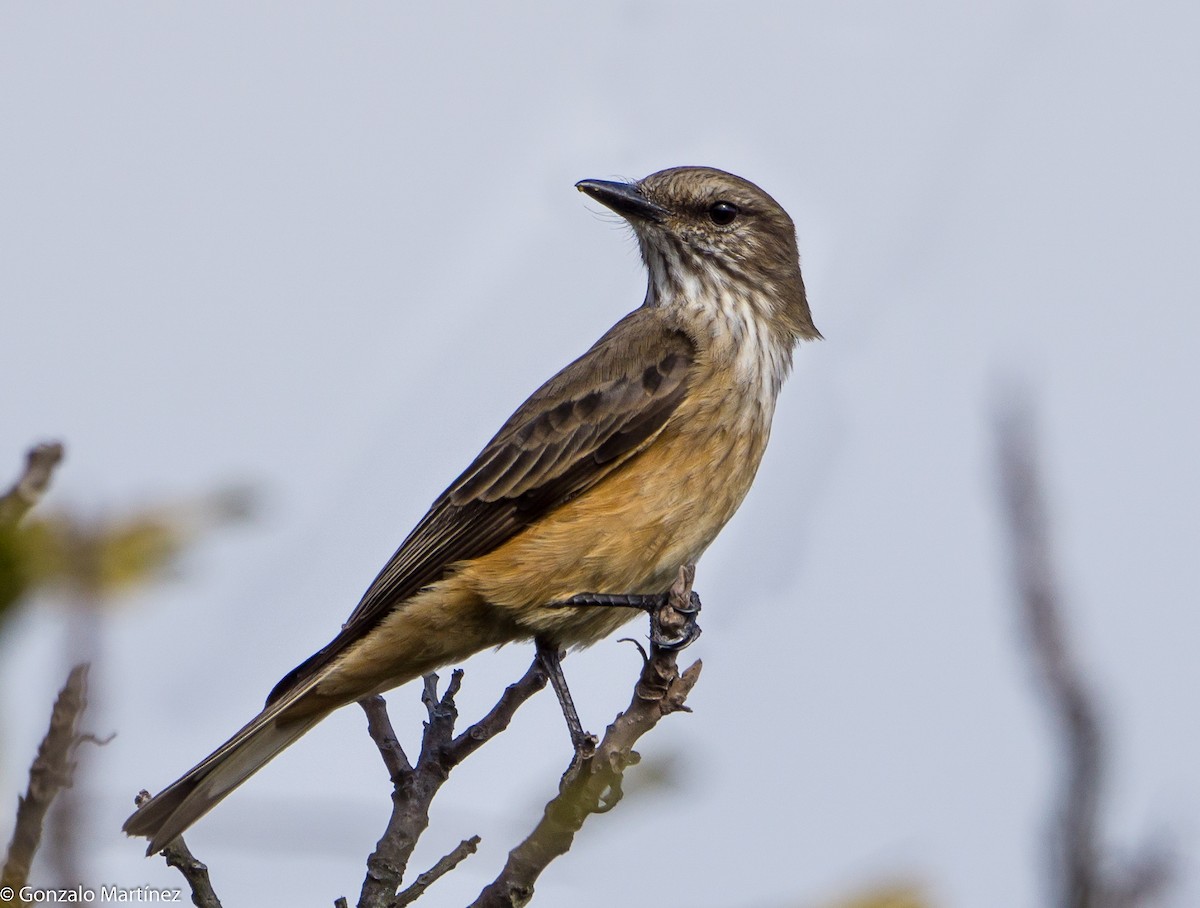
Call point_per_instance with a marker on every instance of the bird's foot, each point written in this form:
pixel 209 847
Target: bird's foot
pixel 673 623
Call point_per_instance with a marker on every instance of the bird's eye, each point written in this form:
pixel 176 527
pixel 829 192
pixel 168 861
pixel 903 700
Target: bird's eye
pixel 723 213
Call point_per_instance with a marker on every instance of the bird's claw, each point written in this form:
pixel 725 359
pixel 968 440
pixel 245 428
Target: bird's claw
pixel 684 640
pixel 692 607
pixel 672 623
pixel 585 745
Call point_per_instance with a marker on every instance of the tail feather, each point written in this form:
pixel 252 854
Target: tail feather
pixel 170 812
pixel 411 640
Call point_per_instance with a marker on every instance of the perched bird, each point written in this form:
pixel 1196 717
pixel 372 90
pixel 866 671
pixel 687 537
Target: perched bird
pixel 618 470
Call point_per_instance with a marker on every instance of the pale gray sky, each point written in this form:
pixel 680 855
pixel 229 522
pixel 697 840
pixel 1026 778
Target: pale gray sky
pixel 329 247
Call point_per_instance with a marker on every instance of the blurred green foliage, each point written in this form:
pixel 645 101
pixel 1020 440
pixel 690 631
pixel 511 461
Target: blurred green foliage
pixel 85 558
pixel 902 895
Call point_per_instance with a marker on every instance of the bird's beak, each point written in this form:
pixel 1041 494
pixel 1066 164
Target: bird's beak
pixel 625 199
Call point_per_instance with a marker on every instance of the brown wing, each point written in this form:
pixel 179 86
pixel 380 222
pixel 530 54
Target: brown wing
pixel 567 436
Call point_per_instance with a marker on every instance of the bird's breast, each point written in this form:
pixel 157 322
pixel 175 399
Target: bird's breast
pixel 630 532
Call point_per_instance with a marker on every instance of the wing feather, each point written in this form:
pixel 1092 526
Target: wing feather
pixel 602 408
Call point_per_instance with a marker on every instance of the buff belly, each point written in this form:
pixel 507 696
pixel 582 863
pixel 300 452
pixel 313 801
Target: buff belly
pixel 628 534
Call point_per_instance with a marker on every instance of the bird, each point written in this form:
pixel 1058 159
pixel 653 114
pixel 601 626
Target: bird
pixel 622 467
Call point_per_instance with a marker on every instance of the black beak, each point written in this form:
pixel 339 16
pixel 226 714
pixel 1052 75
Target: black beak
pixel 623 198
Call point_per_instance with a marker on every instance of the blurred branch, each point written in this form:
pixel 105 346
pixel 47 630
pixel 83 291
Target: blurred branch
pixel 593 784
pixel 52 770
pixel 179 856
pixel 31 486
pixel 414 787
pixel 1082 875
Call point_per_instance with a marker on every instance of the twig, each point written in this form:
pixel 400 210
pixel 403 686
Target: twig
pixel 29 489
pixel 414 787
pixel 465 849
pixel 178 855
pixel 1083 879
pixel 593 784
pixel 499 717
pixel 379 727
pixel 52 770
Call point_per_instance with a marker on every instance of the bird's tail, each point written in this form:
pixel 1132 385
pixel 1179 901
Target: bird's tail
pixel 182 803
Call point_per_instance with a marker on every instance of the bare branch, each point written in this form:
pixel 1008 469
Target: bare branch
pixel 29 489
pixel 178 855
pixel 1083 877
pixel 414 787
pixel 52 770
pixel 379 727
pixel 465 849
pixel 500 715
pixel 593 784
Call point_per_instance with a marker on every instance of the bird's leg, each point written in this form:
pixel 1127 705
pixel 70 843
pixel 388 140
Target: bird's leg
pixel 551 659
pixel 672 620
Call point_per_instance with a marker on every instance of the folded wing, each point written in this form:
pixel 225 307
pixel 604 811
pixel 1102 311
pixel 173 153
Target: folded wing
pixel 600 410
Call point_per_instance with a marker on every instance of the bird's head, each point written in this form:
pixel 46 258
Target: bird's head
pixel 700 229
